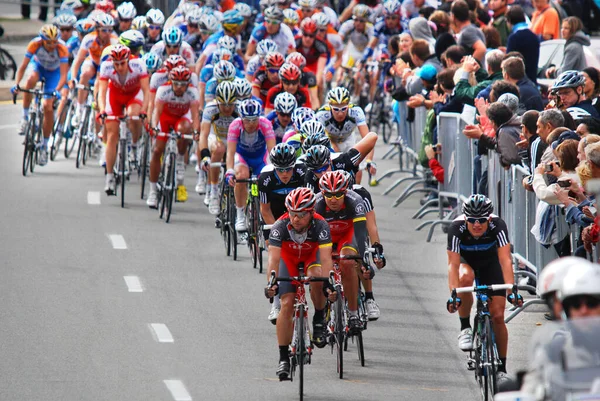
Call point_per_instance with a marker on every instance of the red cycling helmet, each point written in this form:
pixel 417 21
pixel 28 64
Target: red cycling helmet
pixel 290 72
pixel 274 60
pixel 335 181
pixel 180 74
pixel 120 52
pixel 300 199
pixel 174 60
pixel 297 59
pixel 308 26
pixel 105 5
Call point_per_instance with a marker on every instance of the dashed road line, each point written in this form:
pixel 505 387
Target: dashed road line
pixel 161 333
pixel 118 242
pixel 178 390
pixel 133 284
pixel 93 198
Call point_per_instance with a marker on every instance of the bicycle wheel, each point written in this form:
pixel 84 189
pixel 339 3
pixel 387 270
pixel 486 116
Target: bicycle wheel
pixel 252 238
pixel 81 133
pixel 57 136
pixel 489 360
pixel 35 148
pixel 28 145
pixel 300 349
pixel 86 141
pixel 122 162
pixel 361 349
pixel 224 224
pixel 162 189
pixel 171 185
pixel 71 142
pixel 340 328
pixel 231 223
pixel 261 243
pixel 8 66
pixel 144 162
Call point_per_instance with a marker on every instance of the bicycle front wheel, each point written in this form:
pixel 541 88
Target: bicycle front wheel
pixel 340 329
pixel 35 148
pixel 300 349
pixel 8 66
pixel 144 162
pixel 489 360
pixel 122 172
pixel 71 140
pixel 171 186
pixel 28 145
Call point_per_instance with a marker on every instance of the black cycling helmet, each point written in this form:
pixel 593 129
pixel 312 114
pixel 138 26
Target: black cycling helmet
pixel 478 206
pixel 569 79
pixel 317 156
pixel 315 139
pixel 283 155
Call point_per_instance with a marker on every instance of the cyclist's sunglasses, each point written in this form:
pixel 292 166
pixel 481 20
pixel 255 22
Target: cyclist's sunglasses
pixel 391 17
pixel 155 27
pixel 119 63
pixel 339 109
pixel 173 46
pixel 250 119
pixel 51 42
pixel 227 104
pixel 180 83
pixel 125 20
pixel 480 220
pixel 322 30
pixel 336 195
pixel 322 169
pixel 360 20
pixel 306 35
pixel 299 215
pixel 273 70
pixel 193 25
pixel 288 82
pixel 105 30
pixel 66 29
pixel 578 301
pixel 284 170
pixel 280 114
pixel 273 21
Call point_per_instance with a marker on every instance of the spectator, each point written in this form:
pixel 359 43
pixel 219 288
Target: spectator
pixel 564 170
pixel 421 56
pixel 446 101
pixel 406 41
pixel 534 146
pixel 427 74
pixel 545 21
pixel 583 143
pixel 523 40
pixel 410 8
pixel 420 29
pixel 499 8
pixel 588 126
pixel 453 56
pixel 444 38
pixel 569 89
pixel 574 57
pixel 471 38
pixel 508 128
pixel 434 164
pixel 569 122
pixel 592 85
pixel 548 121
pixel 464 90
pixel 492 37
pixel 499 88
pixel 513 71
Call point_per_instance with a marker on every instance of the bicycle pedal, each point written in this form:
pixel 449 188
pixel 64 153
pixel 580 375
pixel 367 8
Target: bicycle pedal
pixel 470 364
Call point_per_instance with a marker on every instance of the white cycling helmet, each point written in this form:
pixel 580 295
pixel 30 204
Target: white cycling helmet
pixel 209 24
pixel 65 20
pixel 285 103
pixel 104 21
pixel 228 43
pixel 187 8
pixel 554 273
pixel 584 280
pixel 266 46
pixel 244 9
pixel 291 17
pixel 71 4
pixel 243 88
pixel 126 11
pixel 307 3
pixel 194 17
pixel 139 23
pixel 221 54
pixel 155 17
pixel 224 71
pixel 312 127
pixel 226 93
pixel 172 36
pixel 321 19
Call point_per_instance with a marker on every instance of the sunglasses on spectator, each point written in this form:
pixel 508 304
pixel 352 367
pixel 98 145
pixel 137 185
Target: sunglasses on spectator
pixel 106 30
pixel 288 82
pixel 154 27
pixel 480 220
pixel 360 20
pixel 322 169
pixel 336 195
pixel 339 109
pixel 299 215
pixel 578 301
pixel 273 70
pixel 66 29
pixel 180 83
pixel 284 170
pixel 273 21
pixel 306 35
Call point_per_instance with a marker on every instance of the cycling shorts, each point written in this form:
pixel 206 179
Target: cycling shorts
pixel 284 272
pixel 213 140
pixel 89 62
pixel 351 56
pixel 347 241
pixel 117 102
pixel 346 144
pixel 488 274
pixel 51 77
pixel 255 164
pixel 168 121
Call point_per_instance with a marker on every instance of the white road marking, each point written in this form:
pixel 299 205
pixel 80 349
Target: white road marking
pixel 133 284
pixel 178 390
pixel 118 242
pixel 161 333
pixel 9 126
pixel 93 198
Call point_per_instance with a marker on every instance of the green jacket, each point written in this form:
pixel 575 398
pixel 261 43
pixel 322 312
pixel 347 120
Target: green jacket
pixel 427 139
pixel 467 93
pixel 502 26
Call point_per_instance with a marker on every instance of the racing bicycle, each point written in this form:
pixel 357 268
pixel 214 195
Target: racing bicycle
pixel 254 224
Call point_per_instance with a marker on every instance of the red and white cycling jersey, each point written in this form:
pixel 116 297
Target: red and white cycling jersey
pixel 128 84
pixel 160 77
pixel 176 105
pixel 185 50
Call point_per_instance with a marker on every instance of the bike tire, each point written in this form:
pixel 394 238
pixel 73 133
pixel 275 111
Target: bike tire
pixel 162 193
pixel 35 149
pixel 86 144
pixel 231 223
pixel 123 157
pixel 361 348
pixel 144 163
pixel 489 360
pixel 172 185
pixel 224 224
pixel 252 238
pixel 56 134
pixel 27 146
pixel 339 335
pixel 300 350
pixel 80 144
pixel 261 241
pixel 72 140
pixel 8 66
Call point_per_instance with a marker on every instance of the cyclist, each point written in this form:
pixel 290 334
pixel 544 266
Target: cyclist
pixel 65 23
pixel 335 45
pixel 249 141
pixel 223 71
pixel 314 50
pixel 274 29
pixel 306 8
pixel 281 117
pixel 243 89
pixel 176 107
pixel 196 36
pixel 216 119
pixel 173 43
pixel 231 44
pixel 291 19
pixel 134 40
pixel 126 12
pixel 161 76
pixel 49 57
pixel 123 91
pixel 307 79
pixel 299 236
pixel 344 211
pixel 570 89
pixel 267 76
pixel 275 182
pixel 153 62
pixel 231 24
pixel 246 28
pixel 478 247
pixel 88 58
pixel 155 19
pixel 263 48
pixel 289 77
pixel 293 136
pixel 207 72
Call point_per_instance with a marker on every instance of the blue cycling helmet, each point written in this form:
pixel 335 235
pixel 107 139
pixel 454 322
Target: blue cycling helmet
pixel 85 26
pixel 300 115
pixel 172 36
pixel 232 19
pixel 249 108
pixel 569 79
pixel 153 61
pixel 221 54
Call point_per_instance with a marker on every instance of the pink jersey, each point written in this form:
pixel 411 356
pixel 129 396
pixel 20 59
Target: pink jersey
pixel 252 144
pixel 131 83
pixel 176 105
pixel 288 134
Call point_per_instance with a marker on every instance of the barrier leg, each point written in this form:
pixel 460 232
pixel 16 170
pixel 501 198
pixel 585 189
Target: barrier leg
pixel 434 224
pixel 527 304
pixel 392 151
pixel 423 225
pixel 426 212
pixel 406 195
pixel 427 205
pixel 412 185
pixel 400 181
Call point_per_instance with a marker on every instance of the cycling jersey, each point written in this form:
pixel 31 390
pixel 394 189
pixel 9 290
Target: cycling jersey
pixel 49 61
pixel 73 45
pixel 210 45
pixel 251 145
pixel 480 253
pixel 358 39
pixel 185 51
pixel 283 38
pixel 383 33
pixel 347 161
pixel 254 64
pixel 583 109
pixel 236 60
pixel 347 225
pixel 302 96
pixel 91 44
pixel 278 129
pixel 298 248
pixel 219 123
pixel 273 191
pixel 174 105
pixel 262 82
pixel 313 53
pixel 195 41
pixel 341 131
pixel 161 77
pixel 149 41
pixel 124 85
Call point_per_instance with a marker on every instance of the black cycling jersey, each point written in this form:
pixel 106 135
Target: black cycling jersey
pixel 308 80
pixel 149 41
pixel 272 190
pixel 347 161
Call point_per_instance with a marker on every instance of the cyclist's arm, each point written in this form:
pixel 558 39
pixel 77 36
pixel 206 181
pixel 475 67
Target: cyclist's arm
pixel 363 130
pixel 325 259
pixel 204 132
pixel 271 140
pixel 453 267
pixel 200 63
pixel 102 87
pixel 81 55
pixel 505 259
pixel 150 109
pixel 64 69
pixel 267 214
pixel 366 145
pixel 231 149
pixel 145 84
pixel 360 232
pixel 320 73
pixel 250 50
pixel 22 69
pixel 348 11
pixel 194 108
pixel 274 258
pixel 201 89
pixel 158 109
pixel 372 227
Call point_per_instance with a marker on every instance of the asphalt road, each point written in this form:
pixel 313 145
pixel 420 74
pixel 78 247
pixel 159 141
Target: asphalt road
pixel 188 322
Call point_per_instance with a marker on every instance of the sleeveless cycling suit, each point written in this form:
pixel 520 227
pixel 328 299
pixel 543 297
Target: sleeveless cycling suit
pixel 123 91
pixel 176 108
pixel 342 132
pixel 251 149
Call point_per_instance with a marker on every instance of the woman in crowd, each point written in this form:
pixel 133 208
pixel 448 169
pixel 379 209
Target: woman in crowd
pixel 574 56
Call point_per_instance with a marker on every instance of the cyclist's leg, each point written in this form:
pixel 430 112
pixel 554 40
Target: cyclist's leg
pixel 184 126
pixel 52 79
pixel 134 108
pixel 159 148
pixel 32 80
pixel 242 171
pixel 488 276
pixel 350 276
pixel 466 277
pixel 114 108
pixel 217 151
pixel 88 71
pixel 316 288
pixel 284 326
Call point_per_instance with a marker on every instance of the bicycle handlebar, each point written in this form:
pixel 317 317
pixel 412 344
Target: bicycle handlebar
pixel 36 92
pixel 485 288
pixel 217 164
pixel 250 180
pixel 300 279
pixel 126 118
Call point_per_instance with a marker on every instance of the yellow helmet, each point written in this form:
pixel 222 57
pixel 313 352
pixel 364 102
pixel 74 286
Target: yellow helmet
pixel 49 32
pixel 106 53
